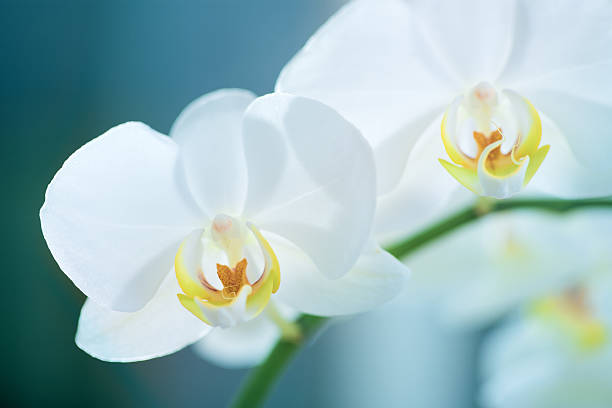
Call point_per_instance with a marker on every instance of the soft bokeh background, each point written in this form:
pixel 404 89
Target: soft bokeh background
pixel 72 69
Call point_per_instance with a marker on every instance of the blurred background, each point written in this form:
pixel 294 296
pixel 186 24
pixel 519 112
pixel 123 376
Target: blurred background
pixel 71 70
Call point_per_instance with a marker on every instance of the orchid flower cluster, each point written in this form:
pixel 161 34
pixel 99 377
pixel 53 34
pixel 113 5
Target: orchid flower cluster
pixel 254 210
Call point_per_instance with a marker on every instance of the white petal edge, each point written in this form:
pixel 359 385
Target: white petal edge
pixel 376 279
pixel 311 179
pixel 115 214
pixel 500 187
pixel 160 328
pixel 209 134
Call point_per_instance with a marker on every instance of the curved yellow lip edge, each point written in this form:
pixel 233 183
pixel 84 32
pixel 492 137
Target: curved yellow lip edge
pixel 535 160
pixel 188 285
pixel 196 297
pixel 191 304
pixel 531 141
pixel 197 305
pixel 507 172
pixel 529 146
pixel 587 332
pixel 272 266
pixel 449 145
pixel 467 177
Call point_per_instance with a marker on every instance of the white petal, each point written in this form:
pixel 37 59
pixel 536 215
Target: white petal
pixel 375 279
pixel 561 174
pixel 472 38
pixel 115 213
pixel 553 36
pixel 162 327
pixel 580 104
pixel 244 345
pixel 371 63
pixel 311 179
pixel 209 133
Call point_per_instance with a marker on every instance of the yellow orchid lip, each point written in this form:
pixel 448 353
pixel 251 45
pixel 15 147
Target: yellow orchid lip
pixel 239 299
pixel 488 170
pixel 570 313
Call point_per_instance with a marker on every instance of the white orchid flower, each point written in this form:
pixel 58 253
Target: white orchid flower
pixel 247 199
pixel 486 270
pixel 505 93
pixel 558 353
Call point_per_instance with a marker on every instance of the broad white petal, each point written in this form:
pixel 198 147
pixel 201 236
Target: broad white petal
pixel 425 192
pixel 561 174
pixel 244 345
pixel 311 179
pixel 209 133
pixel 375 279
pixel 162 327
pixel 580 104
pixel 115 213
pixel 552 36
pixel 371 62
pixel 472 38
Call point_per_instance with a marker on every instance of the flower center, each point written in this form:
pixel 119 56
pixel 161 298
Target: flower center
pixel 233 245
pixel 233 279
pixel 493 137
pixel 571 313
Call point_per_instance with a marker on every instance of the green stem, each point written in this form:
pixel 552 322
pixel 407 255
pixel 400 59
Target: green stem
pixel 483 207
pixel 261 379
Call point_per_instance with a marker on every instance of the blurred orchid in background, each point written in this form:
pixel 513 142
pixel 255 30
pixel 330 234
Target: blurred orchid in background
pixel 556 353
pixel 122 206
pixel 515 78
pixel 484 272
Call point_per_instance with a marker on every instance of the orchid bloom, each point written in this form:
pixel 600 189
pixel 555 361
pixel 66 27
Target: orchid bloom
pixel 492 267
pixel 491 95
pixel 557 353
pixel 247 199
